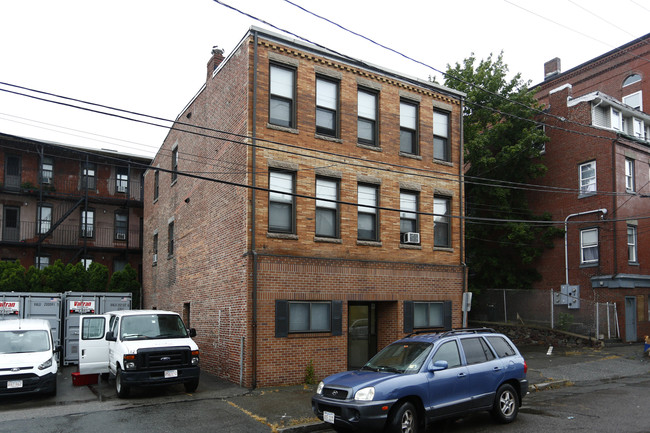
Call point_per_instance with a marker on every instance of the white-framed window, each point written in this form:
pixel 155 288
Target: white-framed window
pixel 587 174
pixel 367 117
pixel 634 100
pixel 87 223
pixel 629 175
pixel 617 119
pixel 441 226
pixel 408 216
pixel 408 127
pixel 367 212
pixel 89 175
pixel 47 169
pixel 42 262
pixel 327 212
pixel 282 96
pixel 632 244
pixel 281 201
pixel 121 225
pixel 310 316
pixel 121 179
pixel 631 79
pixel 327 104
pixel 87 262
pixel 441 147
pixel 589 246
pixel 638 128
pixel 428 314
pixel 44 218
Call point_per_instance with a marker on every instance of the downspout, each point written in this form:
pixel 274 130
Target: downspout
pixel 615 237
pixel 253 206
pixel 462 208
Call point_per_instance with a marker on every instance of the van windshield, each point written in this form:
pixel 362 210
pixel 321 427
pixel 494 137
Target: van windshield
pixel 23 341
pixel 152 326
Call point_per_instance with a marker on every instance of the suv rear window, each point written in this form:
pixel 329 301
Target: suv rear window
pixel 476 350
pixel 501 346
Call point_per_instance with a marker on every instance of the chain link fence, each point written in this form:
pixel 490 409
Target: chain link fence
pixel 546 308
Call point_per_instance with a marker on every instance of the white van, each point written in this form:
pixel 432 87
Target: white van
pixel 139 347
pixel 27 357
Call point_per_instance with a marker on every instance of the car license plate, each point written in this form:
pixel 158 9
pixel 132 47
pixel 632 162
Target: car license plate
pixel 328 417
pixel 11 384
pixel 171 373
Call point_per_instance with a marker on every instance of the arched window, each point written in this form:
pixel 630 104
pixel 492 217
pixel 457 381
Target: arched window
pixel 634 78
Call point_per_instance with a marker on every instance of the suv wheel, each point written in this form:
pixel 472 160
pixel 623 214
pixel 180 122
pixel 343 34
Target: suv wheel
pixel 506 404
pixel 404 419
pixel 121 389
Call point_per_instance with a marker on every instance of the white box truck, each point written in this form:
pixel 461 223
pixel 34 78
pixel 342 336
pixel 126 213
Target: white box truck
pixel 139 348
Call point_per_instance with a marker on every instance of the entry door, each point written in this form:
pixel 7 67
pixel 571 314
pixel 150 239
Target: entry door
pixel 630 318
pixel 362 333
pixel 11 224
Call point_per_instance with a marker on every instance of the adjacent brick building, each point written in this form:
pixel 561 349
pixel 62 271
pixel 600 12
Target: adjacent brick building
pixel 598 162
pixel 69 203
pixel 290 211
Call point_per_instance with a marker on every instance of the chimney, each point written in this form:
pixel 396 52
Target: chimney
pixel 215 60
pixel 551 68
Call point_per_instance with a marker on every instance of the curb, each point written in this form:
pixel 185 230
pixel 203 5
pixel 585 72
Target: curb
pixel 549 385
pixel 305 428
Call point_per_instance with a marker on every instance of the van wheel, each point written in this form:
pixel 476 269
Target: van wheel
pixel 506 404
pixel 191 385
pixel 404 419
pixel 121 389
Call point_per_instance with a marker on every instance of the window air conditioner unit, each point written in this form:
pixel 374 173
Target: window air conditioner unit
pixel 120 236
pixel 411 238
pixel 155 258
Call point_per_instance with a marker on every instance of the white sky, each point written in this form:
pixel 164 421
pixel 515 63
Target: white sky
pixel 150 56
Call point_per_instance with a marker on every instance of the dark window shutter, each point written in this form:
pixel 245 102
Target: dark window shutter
pixel 447 315
pixel 337 318
pixel 408 317
pixel 281 318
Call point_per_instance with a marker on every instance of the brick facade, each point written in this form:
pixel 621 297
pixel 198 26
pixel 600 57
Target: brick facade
pixel 582 129
pixel 231 271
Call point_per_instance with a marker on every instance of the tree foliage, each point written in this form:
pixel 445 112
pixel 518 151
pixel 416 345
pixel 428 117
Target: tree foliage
pixel 502 148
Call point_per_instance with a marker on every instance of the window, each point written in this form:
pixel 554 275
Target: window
pixel 629 175
pixel 428 315
pixel 441 150
pixel 408 127
pixel 631 79
pixel 13 170
pixel 281 202
pixel 327 212
pixel 121 225
pixel 121 179
pixel 87 223
pixel 617 120
pixel 309 316
pixel 86 263
pixel 408 217
pixel 476 350
pixel 589 246
pixel 119 264
pixel 588 177
pixel 47 169
pixel 367 221
pixel 501 347
pixel 93 328
pixel 448 352
pixel 631 244
pixel 155 248
pixel 327 102
pixel 174 164
pixel 441 226
pixel 634 100
pixel 89 176
pixel 44 218
pixel 638 128
pixel 282 96
pixel 156 184
pixel 367 117
pixel 170 239
pixel 42 262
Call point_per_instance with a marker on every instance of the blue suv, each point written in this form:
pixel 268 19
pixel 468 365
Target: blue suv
pixel 426 377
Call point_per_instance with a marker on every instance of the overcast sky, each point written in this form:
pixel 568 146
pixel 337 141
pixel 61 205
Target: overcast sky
pixel 149 56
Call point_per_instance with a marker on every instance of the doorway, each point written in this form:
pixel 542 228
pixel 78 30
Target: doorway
pixel 630 318
pixel 362 333
pixel 11 225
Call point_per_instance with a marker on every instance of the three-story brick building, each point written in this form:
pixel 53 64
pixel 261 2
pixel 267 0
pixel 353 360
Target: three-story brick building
pixel 306 207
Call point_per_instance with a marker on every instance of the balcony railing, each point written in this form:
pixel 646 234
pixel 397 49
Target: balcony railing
pixel 76 186
pixel 71 235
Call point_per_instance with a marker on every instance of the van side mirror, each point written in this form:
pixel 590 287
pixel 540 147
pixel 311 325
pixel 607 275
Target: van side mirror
pixel 192 332
pixel 110 336
pixel 438 366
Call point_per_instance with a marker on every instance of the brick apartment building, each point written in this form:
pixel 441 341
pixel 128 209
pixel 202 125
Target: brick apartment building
pixel 598 157
pixel 70 203
pixel 291 215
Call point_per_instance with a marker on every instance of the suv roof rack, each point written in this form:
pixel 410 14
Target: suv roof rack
pixel 467 331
